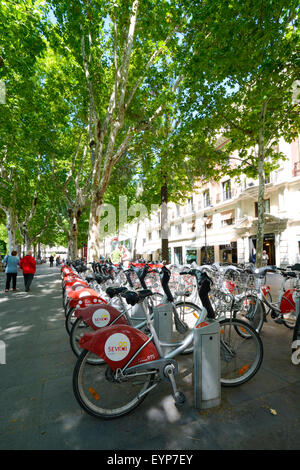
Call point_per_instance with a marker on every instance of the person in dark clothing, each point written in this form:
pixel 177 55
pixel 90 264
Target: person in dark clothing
pixel 51 259
pixel 11 270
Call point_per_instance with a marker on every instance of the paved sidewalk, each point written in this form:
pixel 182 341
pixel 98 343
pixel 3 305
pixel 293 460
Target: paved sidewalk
pixel 39 411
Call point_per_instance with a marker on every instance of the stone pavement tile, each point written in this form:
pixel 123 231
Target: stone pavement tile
pixel 58 399
pixel 19 410
pixel 269 422
pixel 263 382
pixel 54 340
pixel 23 439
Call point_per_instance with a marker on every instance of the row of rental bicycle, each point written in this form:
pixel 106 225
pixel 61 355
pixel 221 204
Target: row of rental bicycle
pixel 112 315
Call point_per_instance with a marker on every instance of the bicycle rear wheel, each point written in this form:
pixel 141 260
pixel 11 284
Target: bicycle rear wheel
pixel 241 352
pixel 102 394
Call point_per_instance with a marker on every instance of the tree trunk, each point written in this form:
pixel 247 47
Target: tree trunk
pixel 11 223
pixel 135 241
pixel 164 224
pixel 93 248
pixel 261 192
pixel 73 233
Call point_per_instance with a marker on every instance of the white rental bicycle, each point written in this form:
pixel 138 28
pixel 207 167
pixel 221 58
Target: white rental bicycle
pixel 134 363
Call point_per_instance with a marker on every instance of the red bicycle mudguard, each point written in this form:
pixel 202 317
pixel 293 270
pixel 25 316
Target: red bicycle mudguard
pixel 230 286
pixel 66 270
pixel 287 303
pixel 265 290
pixel 100 316
pixel 81 293
pixel 75 285
pixel 86 301
pixel 118 343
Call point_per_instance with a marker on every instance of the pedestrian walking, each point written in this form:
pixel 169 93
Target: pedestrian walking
pixel 11 263
pixel 116 255
pixel 51 259
pixel 265 258
pixel 28 266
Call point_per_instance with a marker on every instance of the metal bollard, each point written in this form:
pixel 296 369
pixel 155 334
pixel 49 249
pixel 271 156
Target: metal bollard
pixel 207 367
pixel 163 324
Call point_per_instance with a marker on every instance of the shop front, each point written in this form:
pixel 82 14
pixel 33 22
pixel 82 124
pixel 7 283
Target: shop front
pixel 268 246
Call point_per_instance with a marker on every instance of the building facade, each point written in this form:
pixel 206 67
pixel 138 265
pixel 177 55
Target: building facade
pixel 219 220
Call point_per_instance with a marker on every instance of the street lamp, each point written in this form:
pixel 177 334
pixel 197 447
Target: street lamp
pixel 205 245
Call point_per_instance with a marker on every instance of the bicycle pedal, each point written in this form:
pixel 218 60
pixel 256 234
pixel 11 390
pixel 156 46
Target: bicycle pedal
pixel 179 398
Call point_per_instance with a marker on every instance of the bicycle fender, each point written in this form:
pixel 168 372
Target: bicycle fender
pixel 265 289
pixel 81 293
pixel 287 303
pixel 117 344
pixel 83 302
pixel 76 286
pixel 100 315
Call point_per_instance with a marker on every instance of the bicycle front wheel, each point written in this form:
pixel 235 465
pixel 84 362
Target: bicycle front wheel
pixel 188 313
pixel 241 351
pixel 289 320
pixel 251 309
pixel 296 342
pixel 106 394
pixel 70 319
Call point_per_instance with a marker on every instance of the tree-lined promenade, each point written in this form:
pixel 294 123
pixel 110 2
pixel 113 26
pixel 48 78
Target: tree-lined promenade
pixel 128 98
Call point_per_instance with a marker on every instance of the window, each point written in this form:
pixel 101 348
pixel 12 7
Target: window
pixel 190 204
pixel 206 198
pixel 178 229
pixel 267 207
pixel 226 186
pixel 227 222
pixel 227 218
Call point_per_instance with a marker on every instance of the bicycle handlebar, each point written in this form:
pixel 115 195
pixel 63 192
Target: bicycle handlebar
pixel 204 284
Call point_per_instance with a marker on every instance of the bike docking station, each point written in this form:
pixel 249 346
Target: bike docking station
pixel 163 324
pixel 207 368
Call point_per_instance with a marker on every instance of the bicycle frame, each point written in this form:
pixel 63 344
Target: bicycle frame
pixel 278 307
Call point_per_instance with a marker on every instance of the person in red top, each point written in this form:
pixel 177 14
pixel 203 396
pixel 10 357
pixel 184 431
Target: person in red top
pixel 28 266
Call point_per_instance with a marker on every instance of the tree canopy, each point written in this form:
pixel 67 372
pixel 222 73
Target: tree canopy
pixel 104 98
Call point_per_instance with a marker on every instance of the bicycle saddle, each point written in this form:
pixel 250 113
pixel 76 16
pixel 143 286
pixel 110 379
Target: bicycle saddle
pixel 288 274
pixel 113 291
pixel 90 277
pixel 296 267
pixel 133 298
